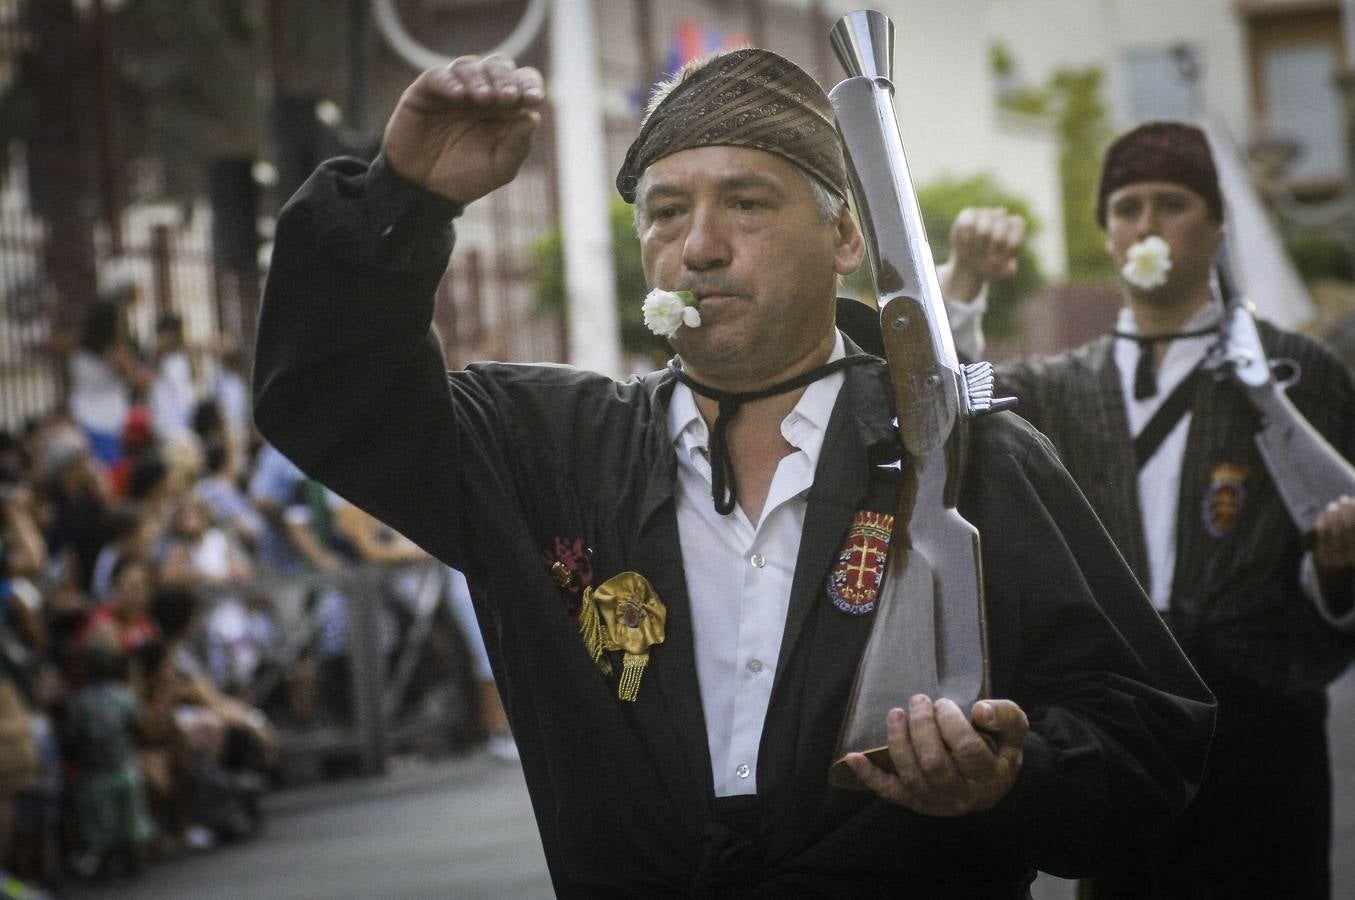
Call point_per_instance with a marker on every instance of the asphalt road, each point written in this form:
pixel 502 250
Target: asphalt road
pixel 459 828
pixel 463 828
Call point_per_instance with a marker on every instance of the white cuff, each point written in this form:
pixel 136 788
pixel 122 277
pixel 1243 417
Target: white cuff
pixel 1312 586
pixel 966 325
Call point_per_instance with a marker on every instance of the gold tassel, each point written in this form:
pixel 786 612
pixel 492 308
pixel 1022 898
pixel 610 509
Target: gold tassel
pixel 632 667
pixel 593 633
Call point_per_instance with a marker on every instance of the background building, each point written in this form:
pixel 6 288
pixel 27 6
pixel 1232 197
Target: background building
pixel 154 141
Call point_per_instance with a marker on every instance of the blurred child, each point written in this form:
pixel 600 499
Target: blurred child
pixel 110 796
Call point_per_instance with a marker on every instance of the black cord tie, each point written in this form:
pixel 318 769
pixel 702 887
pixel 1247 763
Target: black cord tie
pixel 1145 376
pixel 724 488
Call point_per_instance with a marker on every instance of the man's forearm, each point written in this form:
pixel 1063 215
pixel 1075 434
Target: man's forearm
pixel 349 383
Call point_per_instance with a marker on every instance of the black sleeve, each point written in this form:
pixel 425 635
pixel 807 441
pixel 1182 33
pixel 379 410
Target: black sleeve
pixel 349 381
pixel 1120 722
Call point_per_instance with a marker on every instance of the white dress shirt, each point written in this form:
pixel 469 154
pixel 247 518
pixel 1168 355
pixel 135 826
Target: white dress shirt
pixel 1159 480
pixel 739 575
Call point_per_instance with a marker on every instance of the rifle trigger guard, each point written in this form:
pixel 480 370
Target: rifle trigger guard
pixel 1285 371
pixel 977 388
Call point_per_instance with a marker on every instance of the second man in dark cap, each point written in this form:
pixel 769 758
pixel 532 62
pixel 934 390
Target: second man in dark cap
pixel 1162 444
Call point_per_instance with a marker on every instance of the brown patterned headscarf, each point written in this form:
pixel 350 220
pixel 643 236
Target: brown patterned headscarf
pixel 742 98
pixel 1161 151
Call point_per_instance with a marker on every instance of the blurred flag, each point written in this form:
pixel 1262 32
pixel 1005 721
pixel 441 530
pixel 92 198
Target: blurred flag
pixel 692 40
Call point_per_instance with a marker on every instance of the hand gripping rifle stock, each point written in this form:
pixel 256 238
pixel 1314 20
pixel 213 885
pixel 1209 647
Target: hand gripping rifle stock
pixel 1308 472
pixel 928 632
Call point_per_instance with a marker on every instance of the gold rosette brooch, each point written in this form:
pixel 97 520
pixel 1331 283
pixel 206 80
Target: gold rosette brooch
pixel 623 613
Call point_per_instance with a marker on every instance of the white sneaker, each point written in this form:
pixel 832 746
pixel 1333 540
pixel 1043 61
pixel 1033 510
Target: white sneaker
pixel 503 748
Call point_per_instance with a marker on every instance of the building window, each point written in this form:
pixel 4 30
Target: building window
pixel 1295 54
pixel 1157 88
pixel 1303 105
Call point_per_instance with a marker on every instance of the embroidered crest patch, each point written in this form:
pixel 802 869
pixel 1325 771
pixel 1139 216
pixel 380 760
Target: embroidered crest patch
pixel 854 584
pixel 1223 499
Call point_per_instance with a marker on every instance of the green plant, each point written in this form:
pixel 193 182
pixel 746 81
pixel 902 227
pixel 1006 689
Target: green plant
pixel 548 261
pixel 941 202
pixel 1071 98
pixel 1321 256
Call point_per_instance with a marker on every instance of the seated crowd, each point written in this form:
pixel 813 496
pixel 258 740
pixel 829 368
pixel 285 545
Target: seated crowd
pixel 133 634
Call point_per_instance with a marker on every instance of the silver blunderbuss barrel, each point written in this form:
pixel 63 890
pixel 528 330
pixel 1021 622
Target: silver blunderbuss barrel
pixel 928 635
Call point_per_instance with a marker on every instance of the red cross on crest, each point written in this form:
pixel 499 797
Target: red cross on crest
pixel 854 584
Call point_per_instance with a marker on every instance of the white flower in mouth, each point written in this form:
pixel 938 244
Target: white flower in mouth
pixel 1148 264
pixel 666 311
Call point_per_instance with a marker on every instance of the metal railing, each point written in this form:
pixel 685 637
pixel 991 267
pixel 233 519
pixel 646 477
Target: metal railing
pixel 350 666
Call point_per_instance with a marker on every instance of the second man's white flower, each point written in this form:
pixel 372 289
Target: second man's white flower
pixel 1148 263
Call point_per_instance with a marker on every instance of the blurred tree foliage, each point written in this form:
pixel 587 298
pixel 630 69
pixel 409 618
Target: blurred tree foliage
pixel 548 261
pixel 1318 255
pixel 1071 99
pixel 941 202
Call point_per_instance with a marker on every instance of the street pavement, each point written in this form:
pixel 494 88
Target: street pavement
pixel 457 828
pixel 463 828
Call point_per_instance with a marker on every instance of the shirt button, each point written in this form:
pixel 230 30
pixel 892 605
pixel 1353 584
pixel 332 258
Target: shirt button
pixel 755 666
pixel 743 771
pixel 757 560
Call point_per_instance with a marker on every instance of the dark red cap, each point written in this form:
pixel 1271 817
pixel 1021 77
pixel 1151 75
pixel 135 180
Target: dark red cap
pixel 1161 151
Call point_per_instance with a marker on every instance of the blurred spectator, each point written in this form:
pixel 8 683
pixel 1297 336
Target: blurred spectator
pixel 239 635
pixel 225 745
pixel 226 503
pixel 110 796
pixel 23 633
pixel 122 620
pixel 18 749
pixel 176 611
pixel 129 534
pixel 182 453
pixel 173 398
pixel 207 422
pixel 138 442
pixel 23 553
pixel 493 721
pixel 13 459
pixel 36 852
pixel 197 552
pixel 163 479
pixel 231 393
pixel 103 373
pixel 285 545
pixel 368 538
pixel 77 499
pixel 18 757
